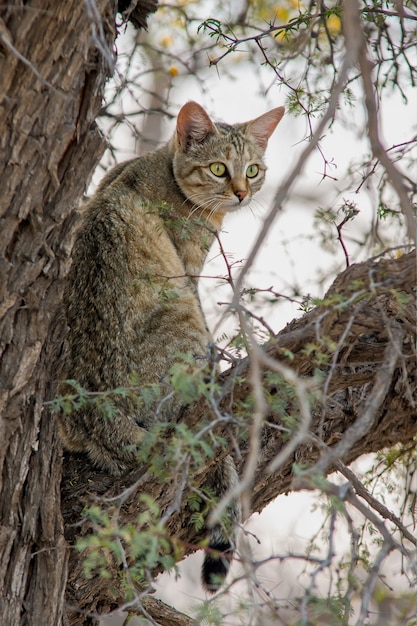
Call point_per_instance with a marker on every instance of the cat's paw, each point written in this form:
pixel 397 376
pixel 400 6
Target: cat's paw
pixel 139 435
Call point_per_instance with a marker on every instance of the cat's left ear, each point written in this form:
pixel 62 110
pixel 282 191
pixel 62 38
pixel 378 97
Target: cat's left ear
pixel 262 127
pixel 193 125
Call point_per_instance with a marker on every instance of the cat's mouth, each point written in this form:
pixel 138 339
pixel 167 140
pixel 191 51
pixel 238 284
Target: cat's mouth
pixel 234 202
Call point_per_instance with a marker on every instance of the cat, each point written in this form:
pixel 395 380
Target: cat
pixel 131 299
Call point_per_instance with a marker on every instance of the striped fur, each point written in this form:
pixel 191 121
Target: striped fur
pixel 131 299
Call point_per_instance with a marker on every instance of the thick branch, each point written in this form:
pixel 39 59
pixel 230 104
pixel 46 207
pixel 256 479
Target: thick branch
pixel 372 298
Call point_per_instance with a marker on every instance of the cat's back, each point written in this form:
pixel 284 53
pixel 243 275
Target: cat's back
pixel 127 276
pixel 123 225
pixel 149 177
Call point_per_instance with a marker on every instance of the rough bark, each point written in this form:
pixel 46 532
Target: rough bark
pixel 380 325
pixel 54 60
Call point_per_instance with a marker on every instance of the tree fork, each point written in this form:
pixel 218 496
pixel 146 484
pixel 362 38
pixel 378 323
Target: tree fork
pixel 360 357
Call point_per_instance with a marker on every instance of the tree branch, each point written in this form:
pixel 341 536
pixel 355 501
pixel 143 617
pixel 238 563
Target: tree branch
pixel 375 298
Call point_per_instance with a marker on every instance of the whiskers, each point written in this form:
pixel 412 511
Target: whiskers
pixel 207 206
pixel 256 207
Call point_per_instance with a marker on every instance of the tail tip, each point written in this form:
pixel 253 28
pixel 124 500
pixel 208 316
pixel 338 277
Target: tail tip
pixel 216 565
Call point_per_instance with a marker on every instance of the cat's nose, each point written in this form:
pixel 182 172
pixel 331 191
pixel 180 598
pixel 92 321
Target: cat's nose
pixel 241 194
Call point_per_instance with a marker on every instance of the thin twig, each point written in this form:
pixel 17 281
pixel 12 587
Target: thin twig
pixel 373 502
pixel 351 56
pixel 378 149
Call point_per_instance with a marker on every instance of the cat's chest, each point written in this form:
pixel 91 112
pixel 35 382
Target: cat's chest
pixel 192 248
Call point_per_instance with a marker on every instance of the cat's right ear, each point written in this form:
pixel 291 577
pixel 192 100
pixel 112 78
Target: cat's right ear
pixel 193 125
pixel 263 126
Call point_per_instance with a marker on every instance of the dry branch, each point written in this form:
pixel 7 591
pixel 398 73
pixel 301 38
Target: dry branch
pixel 373 300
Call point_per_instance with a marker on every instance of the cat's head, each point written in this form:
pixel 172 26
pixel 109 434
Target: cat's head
pixel 219 167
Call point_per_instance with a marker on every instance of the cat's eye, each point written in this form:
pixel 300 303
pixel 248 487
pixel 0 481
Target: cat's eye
pixel 218 169
pixel 252 171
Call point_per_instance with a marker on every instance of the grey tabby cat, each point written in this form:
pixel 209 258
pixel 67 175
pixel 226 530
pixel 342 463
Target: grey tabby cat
pixel 128 252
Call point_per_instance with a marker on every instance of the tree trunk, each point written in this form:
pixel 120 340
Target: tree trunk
pixel 54 60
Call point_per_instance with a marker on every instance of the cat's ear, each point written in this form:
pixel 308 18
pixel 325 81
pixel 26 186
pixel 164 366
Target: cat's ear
pixel 193 125
pixel 262 127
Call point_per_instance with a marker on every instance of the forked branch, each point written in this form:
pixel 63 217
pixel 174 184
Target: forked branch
pixel 369 315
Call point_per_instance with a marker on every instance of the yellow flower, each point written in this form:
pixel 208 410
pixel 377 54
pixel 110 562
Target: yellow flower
pixel 334 24
pixel 166 41
pixel 281 13
pixel 173 70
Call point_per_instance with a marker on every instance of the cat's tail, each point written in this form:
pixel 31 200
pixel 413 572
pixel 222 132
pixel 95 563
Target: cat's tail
pixel 222 539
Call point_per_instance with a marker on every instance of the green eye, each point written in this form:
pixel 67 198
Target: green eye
pixel 218 169
pixel 252 171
